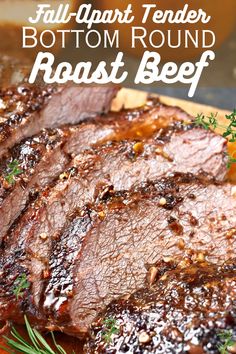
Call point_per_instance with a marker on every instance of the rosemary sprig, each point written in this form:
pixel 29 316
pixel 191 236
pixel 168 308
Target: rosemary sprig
pixel 37 344
pixel 21 284
pixel 110 327
pixel 226 338
pixel 14 170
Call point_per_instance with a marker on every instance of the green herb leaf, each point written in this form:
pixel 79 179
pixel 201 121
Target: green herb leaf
pixel 110 327
pixel 231 160
pixel 14 170
pixel 232 116
pixel 227 342
pixel 203 121
pixel 59 348
pixel 21 284
pixel 227 133
pixel 211 122
pixel 37 345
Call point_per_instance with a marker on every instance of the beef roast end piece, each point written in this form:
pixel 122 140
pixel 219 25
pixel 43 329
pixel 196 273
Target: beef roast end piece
pixel 27 109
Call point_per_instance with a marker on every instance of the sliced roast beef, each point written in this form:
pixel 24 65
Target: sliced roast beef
pixel 93 175
pixel 167 219
pixel 141 123
pixel 29 167
pixel 116 166
pixel 106 248
pixel 189 310
pixel 36 161
pixel 26 110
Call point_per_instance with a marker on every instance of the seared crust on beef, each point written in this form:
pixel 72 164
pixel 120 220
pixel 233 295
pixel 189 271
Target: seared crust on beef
pixel 43 157
pixel 145 185
pixel 116 166
pixel 27 109
pixel 138 230
pixel 185 311
pixel 40 160
pixel 108 247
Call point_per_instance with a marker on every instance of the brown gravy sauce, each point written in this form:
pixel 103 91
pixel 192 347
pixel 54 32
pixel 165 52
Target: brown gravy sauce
pixel 138 130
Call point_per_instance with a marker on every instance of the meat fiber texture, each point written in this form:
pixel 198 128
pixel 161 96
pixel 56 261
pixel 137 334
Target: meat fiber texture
pixel 27 109
pixel 134 187
pixel 105 249
pixel 188 309
pixel 43 157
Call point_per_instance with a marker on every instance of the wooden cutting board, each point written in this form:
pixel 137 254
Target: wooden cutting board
pixel 129 98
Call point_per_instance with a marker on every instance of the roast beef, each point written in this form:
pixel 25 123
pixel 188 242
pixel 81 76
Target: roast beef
pixel 40 159
pixel 49 241
pixel 106 247
pixel 115 166
pixel 167 219
pixel 190 309
pixel 27 109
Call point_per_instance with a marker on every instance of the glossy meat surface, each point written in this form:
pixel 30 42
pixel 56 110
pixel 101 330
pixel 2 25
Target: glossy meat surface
pixel 145 185
pixel 106 248
pixel 27 109
pixel 138 230
pixel 39 160
pixel 42 158
pixel 186 310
